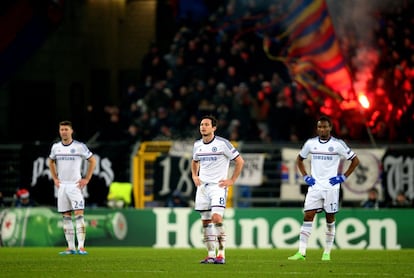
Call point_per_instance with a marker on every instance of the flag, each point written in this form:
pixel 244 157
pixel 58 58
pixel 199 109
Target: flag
pixel 312 52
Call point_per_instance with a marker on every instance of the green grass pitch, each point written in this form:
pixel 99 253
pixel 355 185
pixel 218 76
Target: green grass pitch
pixel 148 262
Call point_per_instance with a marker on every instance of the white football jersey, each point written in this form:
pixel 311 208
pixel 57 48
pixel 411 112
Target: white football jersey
pixel 69 160
pixel 325 158
pixel 214 158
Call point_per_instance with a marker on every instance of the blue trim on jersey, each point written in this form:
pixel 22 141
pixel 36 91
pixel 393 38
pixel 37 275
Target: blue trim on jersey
pixel 211 153
pixel 218 206
pixel 236 157
pixel 202 210
pixel 66 145
pixel 324 153
pixel 324 142
pixel 209 141
pixel 352 157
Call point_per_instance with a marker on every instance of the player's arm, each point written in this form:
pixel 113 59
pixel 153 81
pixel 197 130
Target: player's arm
pixel 301 165
pixel 308 179
pixel 239 163
pixel 91 167
pixel 53 172
pixel 195 166
pixel 340 178
pixel 352 166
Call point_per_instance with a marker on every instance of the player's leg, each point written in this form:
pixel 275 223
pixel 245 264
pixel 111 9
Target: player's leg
pixel 217 219
pixel 80 231
pixel 331 207
pixel 64 206
pixel 313 203
pixel 78 206
pixel 218 204
pixel 69 232
pixel 202 205
pixel 329 240
pixel 210 237
pixel 305 232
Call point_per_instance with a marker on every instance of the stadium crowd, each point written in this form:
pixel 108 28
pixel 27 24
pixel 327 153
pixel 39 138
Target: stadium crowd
pixel 216 67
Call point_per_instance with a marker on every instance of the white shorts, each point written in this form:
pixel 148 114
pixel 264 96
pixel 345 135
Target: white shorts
pixel 327 200
pixel 210 195
pixel 70 197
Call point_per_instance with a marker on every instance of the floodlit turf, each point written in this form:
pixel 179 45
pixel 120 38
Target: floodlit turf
pixel 148 262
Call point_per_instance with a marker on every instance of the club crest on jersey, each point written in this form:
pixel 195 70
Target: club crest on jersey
pixel 72 150
pixel 331 149
pixel 214 149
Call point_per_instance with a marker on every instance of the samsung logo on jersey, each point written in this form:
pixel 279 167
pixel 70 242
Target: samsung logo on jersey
pixel 65 158
pixel 322 157
pixel 208 158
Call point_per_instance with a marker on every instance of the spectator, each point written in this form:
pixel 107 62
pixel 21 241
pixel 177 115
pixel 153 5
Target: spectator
pixel 190 131
pixel 23 199
pixel 227 50
pixel 134 133
pixel 222 96
pixel 372 200
pixel 401 201
pixel 157 96
pixel 179 116
pixel 281 117
pixel 162 124
pixel 113 129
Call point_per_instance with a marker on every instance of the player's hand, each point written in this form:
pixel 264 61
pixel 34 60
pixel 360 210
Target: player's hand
pixel 56 183
pixel 82 183
pixel 197 181
pixel 338 179
pixel 309 180
pixel 225 183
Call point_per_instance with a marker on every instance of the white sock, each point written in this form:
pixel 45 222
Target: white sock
pixel 210 239
pixel 330 236
pixel 69 231
pixel 80 231
pixel 221 237
pixel 305 232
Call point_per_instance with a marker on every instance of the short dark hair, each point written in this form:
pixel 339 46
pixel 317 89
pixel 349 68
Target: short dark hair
pixel 67 123
pixel 212 118
pixel 325 119
pixel 373 189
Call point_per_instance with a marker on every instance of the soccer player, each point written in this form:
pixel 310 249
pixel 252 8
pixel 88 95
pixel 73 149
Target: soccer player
pixel 65 163
pixel 324 183
pixel 211 159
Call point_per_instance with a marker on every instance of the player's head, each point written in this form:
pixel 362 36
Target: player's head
pixel 324 127
pixel 66 123
pixel 65 130
pixel 212 119
pixel 208 125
